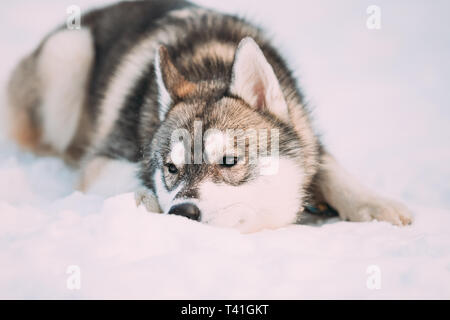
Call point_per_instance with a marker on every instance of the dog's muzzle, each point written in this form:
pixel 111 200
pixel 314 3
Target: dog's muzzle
pixel 187 210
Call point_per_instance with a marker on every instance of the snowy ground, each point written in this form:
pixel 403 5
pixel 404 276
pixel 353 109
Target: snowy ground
pixel 381 103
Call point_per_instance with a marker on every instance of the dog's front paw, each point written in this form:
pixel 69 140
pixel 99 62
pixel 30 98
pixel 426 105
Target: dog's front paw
pixel 381 209
pixel 148 199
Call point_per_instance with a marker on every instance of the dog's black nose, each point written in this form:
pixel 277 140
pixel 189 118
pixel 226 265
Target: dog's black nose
pixel 187 210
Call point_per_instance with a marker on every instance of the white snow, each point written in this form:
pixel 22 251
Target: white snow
pixel 381 101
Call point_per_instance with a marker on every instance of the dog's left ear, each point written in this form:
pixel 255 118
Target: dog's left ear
pixel 172 85
pixel 254 80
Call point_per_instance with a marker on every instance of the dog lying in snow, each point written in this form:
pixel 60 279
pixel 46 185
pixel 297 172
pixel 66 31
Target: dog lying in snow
pixel 198 108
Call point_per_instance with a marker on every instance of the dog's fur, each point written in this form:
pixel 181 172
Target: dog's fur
pixel 108 97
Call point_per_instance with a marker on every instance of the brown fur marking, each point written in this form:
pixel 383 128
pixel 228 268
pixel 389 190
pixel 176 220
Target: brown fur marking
pixel 175 82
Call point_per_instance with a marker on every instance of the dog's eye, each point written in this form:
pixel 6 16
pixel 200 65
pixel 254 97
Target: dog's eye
pixel 229 162
pixel 172 168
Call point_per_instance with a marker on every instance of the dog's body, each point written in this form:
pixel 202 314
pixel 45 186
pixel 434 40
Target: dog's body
pixel 109 97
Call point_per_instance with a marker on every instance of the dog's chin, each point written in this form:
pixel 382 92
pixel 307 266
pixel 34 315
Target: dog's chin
pixel 244 218
pixel 267 202
pixel 238 216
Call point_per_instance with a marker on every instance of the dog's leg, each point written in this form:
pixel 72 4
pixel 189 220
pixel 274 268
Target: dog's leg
pixel 106 176
pixel 353 201
pixel 47 92
pixel 63 66
pixel 148 199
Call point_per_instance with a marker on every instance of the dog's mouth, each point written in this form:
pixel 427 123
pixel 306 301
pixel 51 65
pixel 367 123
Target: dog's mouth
pixel 239 216
pixel 232 215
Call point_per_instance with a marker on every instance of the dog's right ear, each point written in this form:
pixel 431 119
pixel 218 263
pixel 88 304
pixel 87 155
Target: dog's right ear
pixel 172 85
pixel 254 80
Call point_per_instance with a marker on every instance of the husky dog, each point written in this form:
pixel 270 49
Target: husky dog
pixel 109 97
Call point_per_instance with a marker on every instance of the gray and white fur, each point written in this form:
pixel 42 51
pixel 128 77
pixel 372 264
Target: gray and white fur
pixel 108 97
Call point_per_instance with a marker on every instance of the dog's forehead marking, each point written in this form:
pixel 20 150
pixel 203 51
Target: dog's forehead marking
pixel 177 153
pixel 214 145
pixel 219 143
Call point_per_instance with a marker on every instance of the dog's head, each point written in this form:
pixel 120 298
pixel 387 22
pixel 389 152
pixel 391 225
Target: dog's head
pixel 226 153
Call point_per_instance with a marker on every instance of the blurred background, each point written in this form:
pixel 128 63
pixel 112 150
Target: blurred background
pixel 380 97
